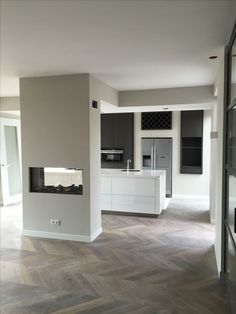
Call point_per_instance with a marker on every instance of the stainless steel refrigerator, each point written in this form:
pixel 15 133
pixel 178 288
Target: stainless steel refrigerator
pixel 157 155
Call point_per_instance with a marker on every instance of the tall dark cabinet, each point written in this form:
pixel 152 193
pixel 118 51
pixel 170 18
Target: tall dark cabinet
pixel 107 131
pixel 117 132
pixel 191 142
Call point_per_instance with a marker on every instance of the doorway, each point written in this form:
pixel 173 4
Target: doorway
pixel 10 152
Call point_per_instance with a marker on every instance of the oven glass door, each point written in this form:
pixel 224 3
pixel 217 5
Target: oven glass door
pixel 112 157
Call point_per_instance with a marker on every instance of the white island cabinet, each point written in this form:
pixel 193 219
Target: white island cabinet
pixel 133 192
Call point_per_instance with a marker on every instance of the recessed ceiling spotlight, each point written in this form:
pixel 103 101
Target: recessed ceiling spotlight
pixel 213 57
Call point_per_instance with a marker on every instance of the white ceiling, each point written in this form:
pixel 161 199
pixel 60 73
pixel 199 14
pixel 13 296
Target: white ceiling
pixel 127 44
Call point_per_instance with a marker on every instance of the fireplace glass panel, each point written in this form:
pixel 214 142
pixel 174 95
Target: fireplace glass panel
pixel 56 180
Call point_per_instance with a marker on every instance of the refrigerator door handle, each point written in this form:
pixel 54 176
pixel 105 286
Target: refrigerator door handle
pixel 152 157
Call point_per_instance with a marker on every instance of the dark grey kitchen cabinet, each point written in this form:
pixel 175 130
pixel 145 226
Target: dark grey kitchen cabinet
pixel 107 130
pixel 117 132
pixel 192 123
pixel 123 130
pixel 191 142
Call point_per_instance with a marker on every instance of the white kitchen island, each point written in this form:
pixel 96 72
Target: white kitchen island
pixel 133 192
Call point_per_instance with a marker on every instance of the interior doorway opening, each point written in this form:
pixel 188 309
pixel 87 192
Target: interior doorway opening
pixel 10 152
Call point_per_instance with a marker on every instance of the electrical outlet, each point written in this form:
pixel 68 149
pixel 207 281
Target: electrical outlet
pixel 56 222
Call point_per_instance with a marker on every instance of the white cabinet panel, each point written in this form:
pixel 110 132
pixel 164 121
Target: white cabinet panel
pixel 133 186
pixel 106 185
pixel 106 201
pixel 135 204
pixel 133 194
pixel 161 192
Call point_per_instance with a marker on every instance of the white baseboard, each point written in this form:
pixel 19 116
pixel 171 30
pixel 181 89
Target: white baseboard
pixel 188 196
pixel 95 234
pixel 167 202
pixel 62 236
pixel 213 221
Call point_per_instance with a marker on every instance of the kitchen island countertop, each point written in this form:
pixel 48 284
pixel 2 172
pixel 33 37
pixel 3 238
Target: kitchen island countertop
pixel 140 174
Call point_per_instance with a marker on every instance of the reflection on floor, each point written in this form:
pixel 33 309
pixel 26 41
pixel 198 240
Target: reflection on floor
pixel 138 265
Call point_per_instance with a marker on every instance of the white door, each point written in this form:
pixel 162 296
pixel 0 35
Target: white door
pixel 10 151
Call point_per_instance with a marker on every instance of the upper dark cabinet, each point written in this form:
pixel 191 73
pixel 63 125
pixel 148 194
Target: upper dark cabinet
pixel 107 130
pixel 123 129
pixel 117 132
pixel 192 123
pixel 191 142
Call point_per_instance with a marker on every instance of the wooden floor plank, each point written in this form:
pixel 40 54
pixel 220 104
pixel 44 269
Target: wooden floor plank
pixel 137 265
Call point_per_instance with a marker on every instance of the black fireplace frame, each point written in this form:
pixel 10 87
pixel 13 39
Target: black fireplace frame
pixel 37 185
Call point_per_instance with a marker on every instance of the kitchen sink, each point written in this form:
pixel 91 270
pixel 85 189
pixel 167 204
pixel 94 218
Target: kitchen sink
pixel 131 170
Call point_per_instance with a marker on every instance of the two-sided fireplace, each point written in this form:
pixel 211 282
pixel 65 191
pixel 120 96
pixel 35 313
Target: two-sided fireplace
pixel 56 180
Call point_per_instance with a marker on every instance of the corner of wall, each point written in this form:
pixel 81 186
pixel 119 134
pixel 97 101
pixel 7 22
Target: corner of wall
pixel 216 188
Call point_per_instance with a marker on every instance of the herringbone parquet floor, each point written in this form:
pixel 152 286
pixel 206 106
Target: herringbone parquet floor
pixel 138 265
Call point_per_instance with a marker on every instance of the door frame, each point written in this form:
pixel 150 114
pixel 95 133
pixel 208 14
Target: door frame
pixel 6 198
pixel 225 167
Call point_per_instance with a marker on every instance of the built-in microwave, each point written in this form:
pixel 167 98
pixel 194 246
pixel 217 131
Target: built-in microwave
pixel 112 155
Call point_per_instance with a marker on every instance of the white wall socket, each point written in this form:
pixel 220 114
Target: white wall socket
pixel 56 222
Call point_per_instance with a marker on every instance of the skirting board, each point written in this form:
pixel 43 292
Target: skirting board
pixel 121 213
pixel 213 221
pixel 186 196
pixel 62 236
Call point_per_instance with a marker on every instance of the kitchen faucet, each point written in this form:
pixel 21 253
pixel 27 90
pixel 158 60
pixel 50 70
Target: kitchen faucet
pixel 128 163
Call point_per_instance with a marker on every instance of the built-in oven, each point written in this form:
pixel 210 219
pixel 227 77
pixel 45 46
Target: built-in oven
pixel 112 155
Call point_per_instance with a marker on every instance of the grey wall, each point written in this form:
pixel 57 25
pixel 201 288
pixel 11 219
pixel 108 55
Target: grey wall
pixel 167 96
pixel 58 128
pixel 10 107
pixel 9 103
pixel 104 92
pixel 96 92
pixel 0 188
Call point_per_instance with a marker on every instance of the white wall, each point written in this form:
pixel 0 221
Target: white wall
pixel 217 162
pixel 167 96
pixel 1 200
pixel 98 91
pixel 9 103
pixel 183 184
pixel 213 164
